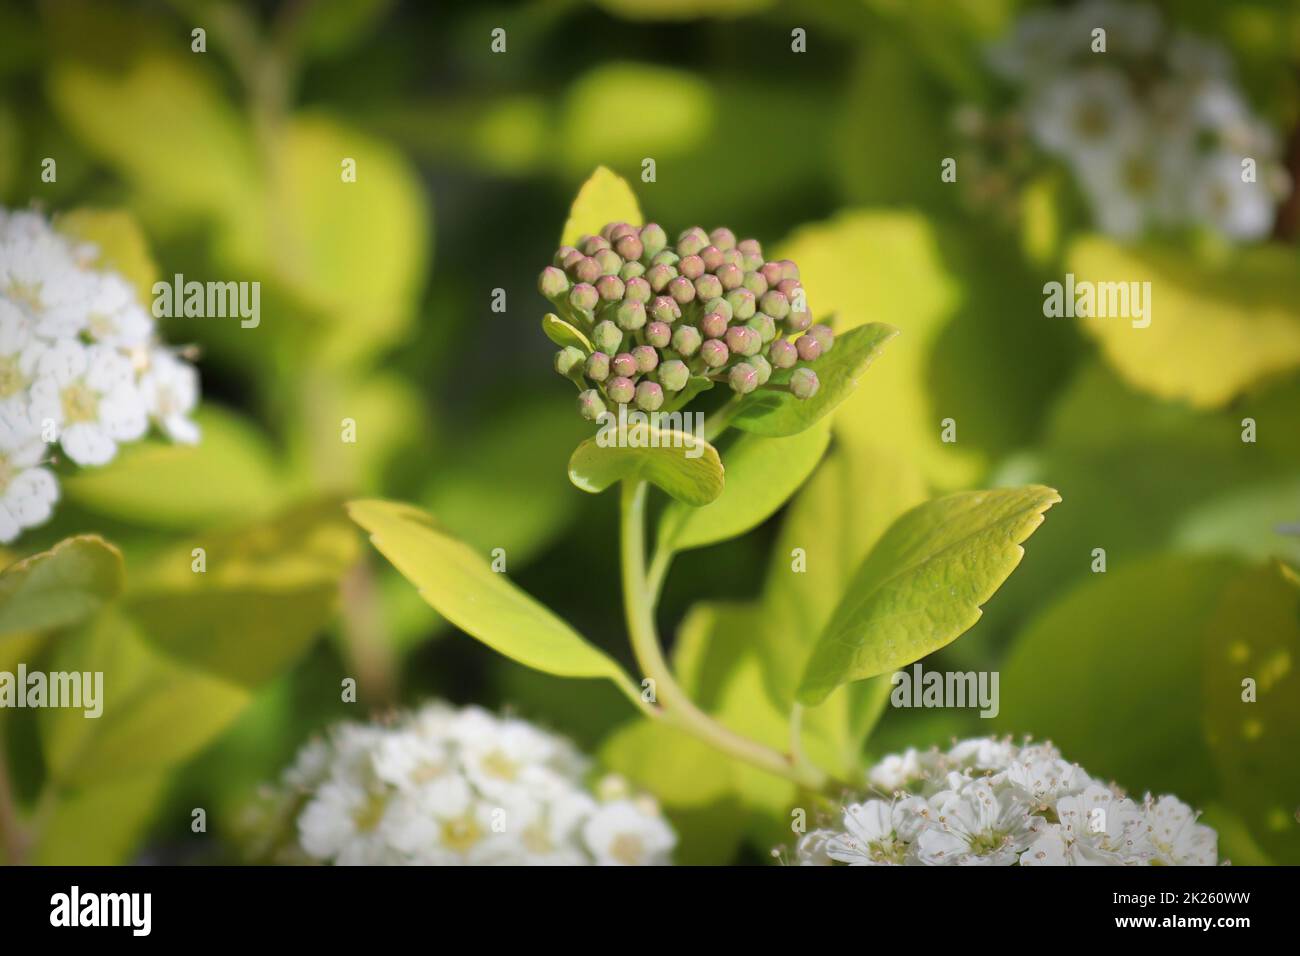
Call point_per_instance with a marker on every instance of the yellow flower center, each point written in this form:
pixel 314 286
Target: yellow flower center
pixel 80 404
pixel 461 834
pixel 627 849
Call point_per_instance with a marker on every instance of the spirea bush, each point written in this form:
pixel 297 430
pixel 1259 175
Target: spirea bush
pixel 441 786
pixel 991 802
pixel 82 369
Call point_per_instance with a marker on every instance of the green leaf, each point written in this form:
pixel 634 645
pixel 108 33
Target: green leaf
pixel 692 480
pixel 59 587
pixel 1216 328
pixel 923 583
pixel 156 712
pixel 604 198
pixel 778 414
pixel 153 482
pixel 461 586
pixel 269 590
pixel 122 245
pixel 102 824
pixel 563 334
pixel 694 386
pixel 761 474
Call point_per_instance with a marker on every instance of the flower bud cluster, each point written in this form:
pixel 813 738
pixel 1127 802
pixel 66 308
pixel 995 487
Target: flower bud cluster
pixel 658 314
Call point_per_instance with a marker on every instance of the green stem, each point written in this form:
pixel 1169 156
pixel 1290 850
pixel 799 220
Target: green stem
pixel 717 423
pixel 677 707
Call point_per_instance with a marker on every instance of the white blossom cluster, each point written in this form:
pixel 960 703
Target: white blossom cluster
pixel 446 787
pixel 991 802
pixel 1155 129
pixel 80 366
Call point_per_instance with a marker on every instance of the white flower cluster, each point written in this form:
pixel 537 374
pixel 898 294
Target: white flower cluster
pixel 80 365
pixel 1155 129
pixel 445 787
pixel 990 802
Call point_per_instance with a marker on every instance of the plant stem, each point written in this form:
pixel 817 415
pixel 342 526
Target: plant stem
pixel 717 423
pixel 677 707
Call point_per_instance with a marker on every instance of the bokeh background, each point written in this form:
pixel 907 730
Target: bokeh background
pixel 376 306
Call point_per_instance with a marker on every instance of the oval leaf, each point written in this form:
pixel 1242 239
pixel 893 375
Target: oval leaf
pixel 604 198
pixel 562 333
pixel 922 585
pixel 59 587
pixel 761 474
pixel 686 467
pixel 461 586
pixel 777 414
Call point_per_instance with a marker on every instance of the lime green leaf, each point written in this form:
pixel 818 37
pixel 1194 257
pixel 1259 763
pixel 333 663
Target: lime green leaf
pixel 267 592
pixel 604 198
pixel 156 713
pixel 101 824
pixel 153 482
pixel 761 474
pixel 121 244
pixel 1216 328
pixel 669 464
pixel 327 28
pixel 923 583
pixel 59 587
pixel 562 333
pixel 780 413
pixel 461 586
pixel 682 9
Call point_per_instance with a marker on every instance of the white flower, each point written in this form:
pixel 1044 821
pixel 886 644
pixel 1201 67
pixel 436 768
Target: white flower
pixel 20 351
pixel 896 771
pixel 1097 828
pixel 976 826
pixel 114 315
pixel 1176 837
pixel 344 823
pixel 624 833
pixel 169 389
pixel 1237 209
pixel 89 393
pixel 1083 117
pixel 27 491
pixel 877 833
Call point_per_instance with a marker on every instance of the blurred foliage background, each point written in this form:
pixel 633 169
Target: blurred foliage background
pixel 376 307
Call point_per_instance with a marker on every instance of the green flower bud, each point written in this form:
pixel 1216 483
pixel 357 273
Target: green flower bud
pixel 609 261
pixel 764 325
pixel 743 378
pixel 721 306
pixel 775 304
pixel 691 241
pixel 714 353
pixel 712 257
pixel 561 254
pixel 629 247
pixel 682 290
pixel 691 266
pixel 708 287
pixel 571 259
pixel 713 325
pixel 734 257
pixel 620 230
pixel 585 270
pixel 620 390
pixel 750 247
pixel 624 365
pixel 673 375
pixel 742 340
pixel 607 336
pixel 782 353
pixel 824 336
pixel 742 303
pixel 659 334
pixel 609 288
pixel 686 340
pixel 730 276
pixel 762 367
pixel 665 309
pixel 809 348
pixel 755 283
pixel 804 383
pixel 552 283
pixel 590 245
pixel 649 396
pixel 598 366
pixel 771 271
pixel 630 315
pixel 630 271
pixel 798 321
pixel 666 257
pixel 646 358
pixel 653 239
pixel 589 405
pixel 583 297
pixel 723 238
pixel 568 358
pixel 788 287
pixel 789 270
pixel 637 289
pixel 659 276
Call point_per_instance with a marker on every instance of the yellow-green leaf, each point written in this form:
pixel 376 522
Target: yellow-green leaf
pixel 686 467
pixel 59 587
pixel 563 334
pixel 120 243
pixel 603 198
